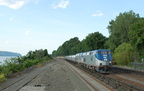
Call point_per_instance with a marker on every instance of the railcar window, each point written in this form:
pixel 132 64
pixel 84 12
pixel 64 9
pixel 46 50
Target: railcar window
pixel 108 53
pixel 99 52
pixel 84 53
pixel 91 53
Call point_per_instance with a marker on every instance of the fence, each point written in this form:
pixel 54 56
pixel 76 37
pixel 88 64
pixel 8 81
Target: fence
pixel 137 66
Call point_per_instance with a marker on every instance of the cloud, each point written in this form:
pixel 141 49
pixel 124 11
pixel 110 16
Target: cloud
pixel 98 13
pixel 61 4
pixel 15 4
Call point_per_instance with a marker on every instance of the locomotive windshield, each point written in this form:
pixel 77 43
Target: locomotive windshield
pixel 104 55
pixel 104 52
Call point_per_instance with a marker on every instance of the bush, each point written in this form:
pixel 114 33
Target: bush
pixel 4 70
pixel 29 63
pixel 12 65
pixel 123 54
pixel 2 78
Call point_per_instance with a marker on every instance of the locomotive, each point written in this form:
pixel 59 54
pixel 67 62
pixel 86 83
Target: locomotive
pixel 99 60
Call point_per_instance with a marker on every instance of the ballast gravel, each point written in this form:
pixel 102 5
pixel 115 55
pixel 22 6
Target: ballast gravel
pixel 57 77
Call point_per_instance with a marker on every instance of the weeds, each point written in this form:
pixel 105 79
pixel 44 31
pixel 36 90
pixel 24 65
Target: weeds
pixel 14 65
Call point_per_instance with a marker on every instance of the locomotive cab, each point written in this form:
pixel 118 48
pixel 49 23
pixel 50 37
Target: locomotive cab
pixel 104 58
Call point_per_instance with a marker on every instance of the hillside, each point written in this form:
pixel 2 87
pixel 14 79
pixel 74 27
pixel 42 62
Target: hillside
pixel 6 53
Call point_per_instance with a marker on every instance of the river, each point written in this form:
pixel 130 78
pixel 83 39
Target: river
pixel 2 58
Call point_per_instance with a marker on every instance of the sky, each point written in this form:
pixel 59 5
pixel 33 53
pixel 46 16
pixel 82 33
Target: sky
pixel 46 24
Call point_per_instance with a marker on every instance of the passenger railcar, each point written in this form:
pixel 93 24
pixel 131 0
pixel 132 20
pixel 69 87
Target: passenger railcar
pixel 71 57
pixel 99 60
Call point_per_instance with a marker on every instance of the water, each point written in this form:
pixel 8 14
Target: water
pixel 2 58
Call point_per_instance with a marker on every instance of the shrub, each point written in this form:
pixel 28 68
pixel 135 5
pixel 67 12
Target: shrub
pixel 123 54
pixel 19 64
pixel 12 65
pixel 29 63
pixel 2 78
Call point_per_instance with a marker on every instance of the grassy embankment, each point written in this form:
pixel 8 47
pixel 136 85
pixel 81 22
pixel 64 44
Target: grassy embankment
pixel 19 64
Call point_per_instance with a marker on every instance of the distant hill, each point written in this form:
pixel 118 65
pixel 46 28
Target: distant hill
pixel 6 53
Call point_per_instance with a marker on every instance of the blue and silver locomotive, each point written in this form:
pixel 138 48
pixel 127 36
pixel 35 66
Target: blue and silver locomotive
pixel 99 60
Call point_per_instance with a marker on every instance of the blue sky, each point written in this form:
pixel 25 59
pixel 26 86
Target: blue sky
pixel 46 24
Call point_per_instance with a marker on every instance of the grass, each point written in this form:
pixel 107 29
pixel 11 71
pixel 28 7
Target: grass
pixel 12 66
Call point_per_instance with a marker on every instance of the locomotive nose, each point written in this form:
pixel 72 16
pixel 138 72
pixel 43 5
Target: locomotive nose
pixel 105 68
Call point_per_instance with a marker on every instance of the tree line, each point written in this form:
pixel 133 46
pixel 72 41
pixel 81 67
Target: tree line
pixel 74 45
pixel 126 40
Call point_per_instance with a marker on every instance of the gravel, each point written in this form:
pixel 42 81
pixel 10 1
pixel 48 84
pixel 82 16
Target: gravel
pixel 53 76
pixel 57 77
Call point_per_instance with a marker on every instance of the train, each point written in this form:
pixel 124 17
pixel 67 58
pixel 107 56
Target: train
pixel 99 60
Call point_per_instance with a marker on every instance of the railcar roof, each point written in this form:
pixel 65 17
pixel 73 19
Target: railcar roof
pixel 103 50
pixel 84 53
pixel 97 50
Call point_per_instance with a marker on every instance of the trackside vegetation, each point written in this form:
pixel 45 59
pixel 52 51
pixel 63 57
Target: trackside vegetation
pixel 123 54
pixel 74 45
pixel 126 40
pixel 13 65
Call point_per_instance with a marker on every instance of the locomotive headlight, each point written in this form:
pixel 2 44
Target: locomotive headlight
pixel 105 59
pixel 100 63
pixel 110 63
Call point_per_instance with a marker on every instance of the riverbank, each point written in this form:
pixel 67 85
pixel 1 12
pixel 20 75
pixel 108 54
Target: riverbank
pixel 3 58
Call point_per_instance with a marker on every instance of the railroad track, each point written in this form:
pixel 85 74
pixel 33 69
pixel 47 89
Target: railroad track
pixel 113 80
pixel 94 84
pixel 129 76
pixel 18 83
pixel 127 71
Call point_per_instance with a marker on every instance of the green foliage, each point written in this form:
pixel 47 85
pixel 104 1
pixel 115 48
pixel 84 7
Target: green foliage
pixel 4 70
pixel 41 55
pixel 69 47
pixel 11 66
pixel 30 62
pixel 83 46
pixel 119 29
pixel 93 41
pixel 126 34
pixel 2 78
pixel 18 64
pixel 136 36
pixel 123 54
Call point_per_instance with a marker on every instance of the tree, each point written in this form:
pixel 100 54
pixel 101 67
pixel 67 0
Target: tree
pixel 92 42
pixel 69 47
pixel 37 54
pixel 83 46
pixel 136 36
pixel 119 29
pixel 123 54
pixel 95 41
